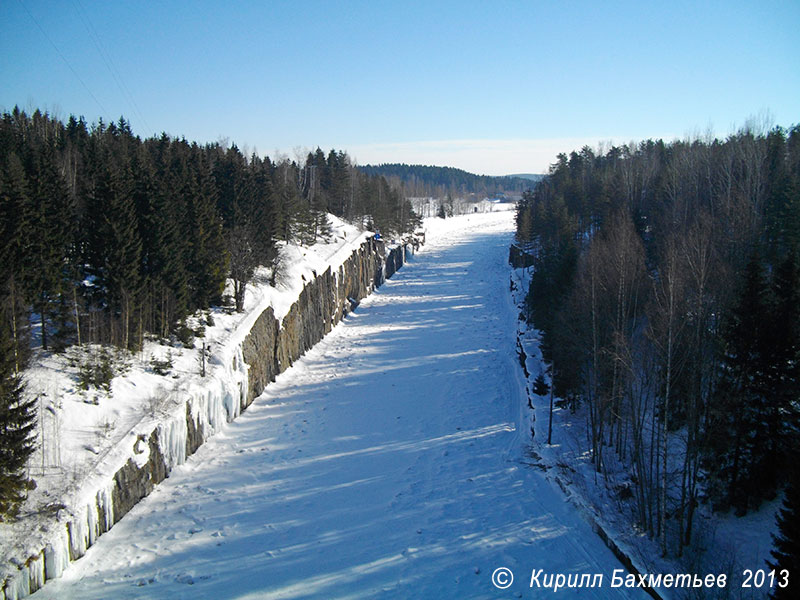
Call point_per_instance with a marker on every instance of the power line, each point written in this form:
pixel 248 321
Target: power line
pixel 109 62
pixel 64 58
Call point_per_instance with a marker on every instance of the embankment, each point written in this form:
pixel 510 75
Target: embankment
pixel 186 421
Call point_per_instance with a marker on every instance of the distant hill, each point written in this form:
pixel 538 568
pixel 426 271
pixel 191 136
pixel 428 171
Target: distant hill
pixel 537 177
pixel 421 181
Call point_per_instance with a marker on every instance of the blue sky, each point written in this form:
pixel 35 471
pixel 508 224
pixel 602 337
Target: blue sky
pixel 491 87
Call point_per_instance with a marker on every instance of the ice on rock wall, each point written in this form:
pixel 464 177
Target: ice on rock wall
pixel 172 436
pixel 56 557
pixel 211 406
pixel 212 402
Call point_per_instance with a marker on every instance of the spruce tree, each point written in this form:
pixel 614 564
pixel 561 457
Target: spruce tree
pixel 177 191
pixel 46 238
pixel 786 552
pixel 288 204
pixel 322 226
pixel 208 262
pixel 13 202
pixel 540 387
pixel 338 172
pixel 17 423
pixel 14 199
pixel 782 381
pixel 739 434
pixel 116 250
pixel 261 210
pixel 304 223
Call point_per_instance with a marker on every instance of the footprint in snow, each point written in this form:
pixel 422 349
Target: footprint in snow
pixel 189 579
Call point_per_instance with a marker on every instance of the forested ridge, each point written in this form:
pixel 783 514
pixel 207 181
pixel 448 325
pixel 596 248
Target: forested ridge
pixel 109 238
pixel 420 181
pixel 667 290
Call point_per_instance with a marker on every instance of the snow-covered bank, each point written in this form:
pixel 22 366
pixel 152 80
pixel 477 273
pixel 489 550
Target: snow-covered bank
pixel 387 462
pixel 722 544
pixel 102 451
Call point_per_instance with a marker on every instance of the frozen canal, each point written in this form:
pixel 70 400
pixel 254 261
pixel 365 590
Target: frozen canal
pixel 385 464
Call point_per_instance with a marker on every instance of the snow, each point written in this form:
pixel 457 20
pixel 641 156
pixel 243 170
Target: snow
pixel 724 543
pixel 85 437
pixel 390 461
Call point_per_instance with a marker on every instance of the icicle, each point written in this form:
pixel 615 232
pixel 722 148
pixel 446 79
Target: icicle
pixel 172 437
pixel 92 524
pixel 83 534
pixel 56 556
pixel 35 569
pixel 220 400
pixel 17 586
pixel 218 408
pixel 78 537
pixel 236 390
pixel 245 380
pixel 105 497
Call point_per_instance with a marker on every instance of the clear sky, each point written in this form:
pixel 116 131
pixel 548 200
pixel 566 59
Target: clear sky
pixel 488 86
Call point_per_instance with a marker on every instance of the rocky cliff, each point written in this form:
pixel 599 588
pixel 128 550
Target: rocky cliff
pixel 269 348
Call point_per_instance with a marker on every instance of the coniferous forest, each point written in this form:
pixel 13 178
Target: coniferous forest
pixel 439 182
pixel 666 286
pixel 108 238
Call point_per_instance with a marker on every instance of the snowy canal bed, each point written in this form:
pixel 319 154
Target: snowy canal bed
pixel 101 449
pixel 388 462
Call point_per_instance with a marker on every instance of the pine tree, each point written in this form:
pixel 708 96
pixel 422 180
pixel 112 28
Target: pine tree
pixel 17 423
pixel 786 552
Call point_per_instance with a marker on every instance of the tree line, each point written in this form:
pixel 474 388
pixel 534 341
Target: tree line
pixel 666 285
pixel 418 181
pixel 108 238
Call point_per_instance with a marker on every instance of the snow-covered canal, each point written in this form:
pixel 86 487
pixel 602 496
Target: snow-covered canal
pixel 386 463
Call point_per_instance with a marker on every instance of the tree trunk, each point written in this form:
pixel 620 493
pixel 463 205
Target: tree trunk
pixel 550 422
pixel 42 304
pixel 77 314
pixel 665 416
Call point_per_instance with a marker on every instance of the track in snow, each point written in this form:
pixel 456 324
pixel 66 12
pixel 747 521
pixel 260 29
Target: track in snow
pixel 385 463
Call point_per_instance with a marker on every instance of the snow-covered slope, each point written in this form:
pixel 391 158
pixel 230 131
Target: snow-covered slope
pixel 721 543
pixel 86 437
pixel 388 462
